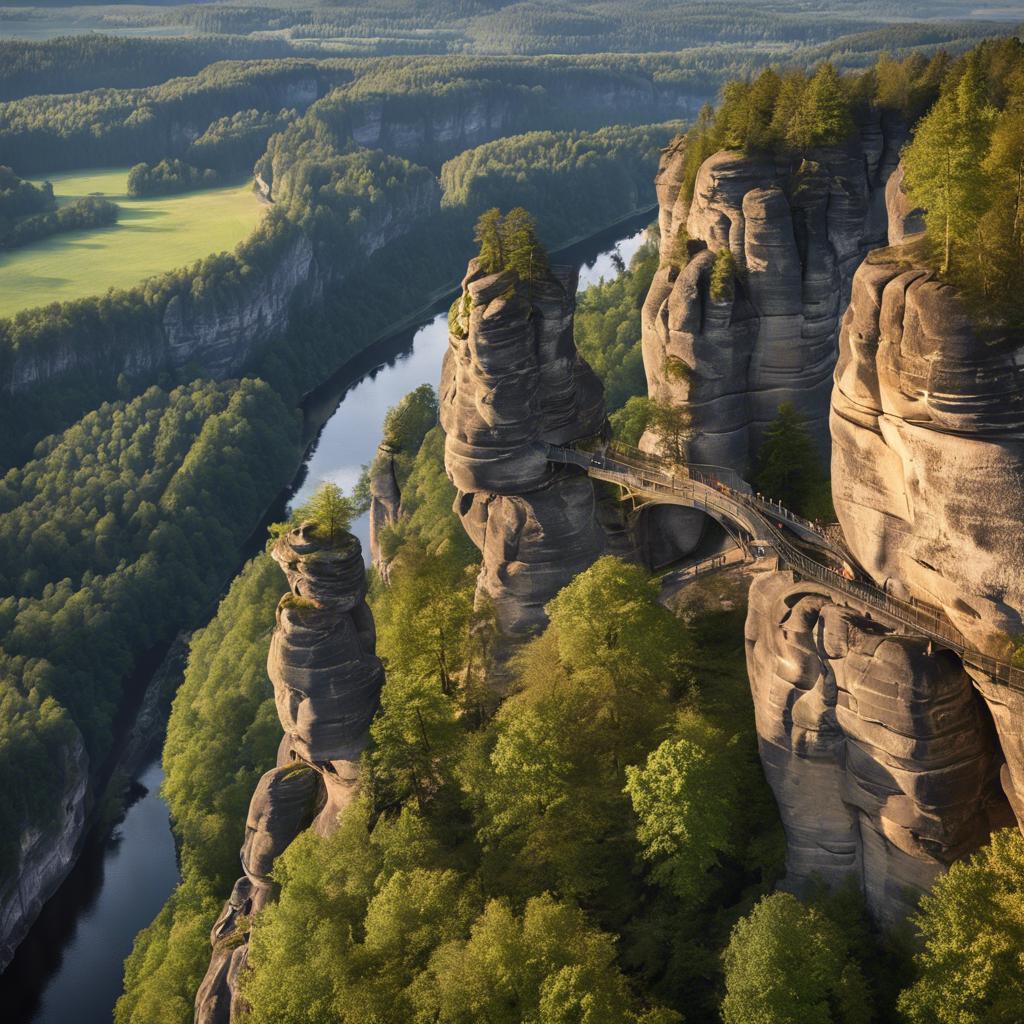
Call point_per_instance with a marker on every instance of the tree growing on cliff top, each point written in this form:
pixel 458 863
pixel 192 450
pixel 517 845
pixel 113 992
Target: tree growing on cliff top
pixel 944 164
pixel 823 116
pixel 329 510
pixel 509 242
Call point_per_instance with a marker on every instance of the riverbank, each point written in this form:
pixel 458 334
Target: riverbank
pixel 40 962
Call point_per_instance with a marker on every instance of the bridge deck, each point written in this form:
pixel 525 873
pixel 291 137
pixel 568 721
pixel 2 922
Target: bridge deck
pixel 726 497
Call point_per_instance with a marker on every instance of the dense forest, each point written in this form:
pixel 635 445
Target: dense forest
pixel 605 834
pixel 339 196
pixel 539 832
pixel 117 533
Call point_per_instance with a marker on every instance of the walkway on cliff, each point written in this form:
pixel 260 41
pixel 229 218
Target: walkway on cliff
pixel 762 526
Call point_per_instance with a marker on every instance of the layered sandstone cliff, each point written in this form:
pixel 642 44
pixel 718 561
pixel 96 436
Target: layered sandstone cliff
pixel 882 754
pixel 798 229
pixel 882 759
pixel 327 681
pixel 512 378
pixel 928 464
pixel 45 857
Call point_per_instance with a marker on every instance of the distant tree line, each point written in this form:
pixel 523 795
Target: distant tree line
pixel 77 215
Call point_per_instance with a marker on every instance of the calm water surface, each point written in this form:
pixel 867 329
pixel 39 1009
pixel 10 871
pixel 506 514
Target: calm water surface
pixel 68 970
pixel 349 439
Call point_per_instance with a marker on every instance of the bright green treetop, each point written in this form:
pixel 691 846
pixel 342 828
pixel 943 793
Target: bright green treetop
pixel 787 963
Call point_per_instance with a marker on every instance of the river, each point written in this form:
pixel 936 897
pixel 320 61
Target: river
pixel 69 967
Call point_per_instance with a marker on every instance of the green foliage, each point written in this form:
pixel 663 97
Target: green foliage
pixel 972 928
pixel 169 959
pixel 20 198
pixel 427 498
pixel 630 422
pixel 788 465
pixel 672 425
pixel 549 964
pixel 822 117
pixel 789 964
pixel 509 242
pixel 406 425
pixel 116 535
pixel 685 798
pixel 423 621
pixel 596 696
pixel 607 326
pixel 223 730
pixel 168 177
pixel 330 511
pixel 84 212
pixel 964 167
pixel 723 275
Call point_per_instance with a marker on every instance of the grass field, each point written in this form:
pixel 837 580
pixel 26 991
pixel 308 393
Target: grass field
pixel 151 236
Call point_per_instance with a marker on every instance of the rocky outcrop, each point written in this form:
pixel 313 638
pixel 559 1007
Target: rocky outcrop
pixel 385 505
pixel 797 230
pixel 928 462
pixel 880 754
pixel 327 681
pixel 219 327
pixel 512 378
pixel 906 221
pixel 45 857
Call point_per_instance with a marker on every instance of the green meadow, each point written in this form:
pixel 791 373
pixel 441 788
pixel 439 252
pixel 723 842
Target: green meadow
pixel 152 236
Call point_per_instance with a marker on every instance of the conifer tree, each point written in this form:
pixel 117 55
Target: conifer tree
pixel 823 118
pixel 944 164
pixel 489 237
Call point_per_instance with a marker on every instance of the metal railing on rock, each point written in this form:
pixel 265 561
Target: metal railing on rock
pixel 722 493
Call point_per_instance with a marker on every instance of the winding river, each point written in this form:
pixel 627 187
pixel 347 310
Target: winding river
pixel 69 967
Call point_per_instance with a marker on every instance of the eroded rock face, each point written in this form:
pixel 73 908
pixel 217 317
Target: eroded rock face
pixel 879 752
pixel 928 463
pixel 327 680
pixel 511 378
pixel 797 231
pixel 928 456
pixel 44 858
pixel 385 505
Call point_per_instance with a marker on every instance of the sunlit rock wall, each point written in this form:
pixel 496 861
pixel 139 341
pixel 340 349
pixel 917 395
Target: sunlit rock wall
pixel 512 378
pixel 798 230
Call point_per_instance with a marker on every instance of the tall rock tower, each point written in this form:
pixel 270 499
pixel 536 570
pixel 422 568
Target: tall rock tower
pixel 512 378
pixel 797 229
pixel 327 680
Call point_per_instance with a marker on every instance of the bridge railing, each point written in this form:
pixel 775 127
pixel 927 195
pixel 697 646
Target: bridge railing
pixel 652 474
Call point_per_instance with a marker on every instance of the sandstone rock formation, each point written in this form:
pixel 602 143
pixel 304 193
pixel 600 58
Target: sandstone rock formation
pixel 797 229
pixel 327 681
pixel 881 756
pixel 385 504
pixel 511 378
pixel 928 463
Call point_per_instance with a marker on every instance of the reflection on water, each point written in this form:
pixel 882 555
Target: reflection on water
pixel 68 970
pixel 349 438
